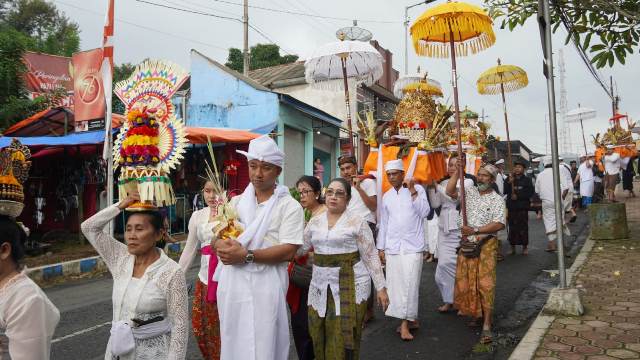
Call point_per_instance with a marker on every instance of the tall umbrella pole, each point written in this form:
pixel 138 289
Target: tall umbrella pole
pixel 506 124
pixel 456 104
pixel 343 60
pixel 584 141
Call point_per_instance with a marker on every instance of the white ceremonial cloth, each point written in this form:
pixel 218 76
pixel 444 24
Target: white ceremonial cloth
pixel 401 225
pixel 565 172
pixel 251 297
pixel 544 188
pixel 403 285
pixel 586 179
pixel 27 320
pixel 612 164
pixel 356 204
pixel 448 239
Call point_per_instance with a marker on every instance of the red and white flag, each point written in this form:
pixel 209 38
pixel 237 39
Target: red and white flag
pixel 107 39
pixel 107 81
pixel 107 77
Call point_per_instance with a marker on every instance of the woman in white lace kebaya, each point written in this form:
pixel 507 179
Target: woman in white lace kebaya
pixel 27 317
pixel 205 320
pixel 345 258
pixel 150 310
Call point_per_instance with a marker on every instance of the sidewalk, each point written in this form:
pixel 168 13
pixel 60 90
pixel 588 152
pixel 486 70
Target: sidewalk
pixel 609 282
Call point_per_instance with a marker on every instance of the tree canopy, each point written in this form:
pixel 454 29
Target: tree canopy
pixel 47 29
pixel 29 25
pixel 261 56
pixel 608 29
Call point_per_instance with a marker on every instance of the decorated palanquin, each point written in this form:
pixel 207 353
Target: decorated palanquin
pixel 619 138
pixel 420 127
pixel 152 140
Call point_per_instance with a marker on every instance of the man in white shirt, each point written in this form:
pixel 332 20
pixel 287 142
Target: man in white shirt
pixel 544 188
pixel 253 281
pixel 586 180
pixel 567 201
pixel 401 244
pixel 612 165
pixel 363 190
pixel 500 177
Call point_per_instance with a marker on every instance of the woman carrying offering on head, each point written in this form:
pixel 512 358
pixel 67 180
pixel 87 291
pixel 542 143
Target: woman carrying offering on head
pixel 149 291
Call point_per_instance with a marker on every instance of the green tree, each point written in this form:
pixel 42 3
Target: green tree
pixel 49 31
pixel 261 56
pixel 120 72
pixel 608 29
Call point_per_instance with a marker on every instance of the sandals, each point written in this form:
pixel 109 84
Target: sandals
pixel 486 337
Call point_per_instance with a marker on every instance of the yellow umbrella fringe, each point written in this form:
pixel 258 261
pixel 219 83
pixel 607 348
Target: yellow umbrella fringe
pixel 472 33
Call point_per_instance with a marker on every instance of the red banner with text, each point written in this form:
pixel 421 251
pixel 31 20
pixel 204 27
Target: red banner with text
pixel 87 85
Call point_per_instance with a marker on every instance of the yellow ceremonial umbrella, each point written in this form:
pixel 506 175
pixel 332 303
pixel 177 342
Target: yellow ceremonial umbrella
pixel 427 87
pixel 501 79
pixel 449 30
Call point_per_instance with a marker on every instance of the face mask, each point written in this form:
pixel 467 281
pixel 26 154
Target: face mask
pixel 484 186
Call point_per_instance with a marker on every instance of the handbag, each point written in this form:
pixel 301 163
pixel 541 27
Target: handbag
pixel 301 275
pixel 472 249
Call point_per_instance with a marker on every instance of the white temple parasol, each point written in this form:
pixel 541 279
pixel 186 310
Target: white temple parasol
pixel 334 64
pixel 578 115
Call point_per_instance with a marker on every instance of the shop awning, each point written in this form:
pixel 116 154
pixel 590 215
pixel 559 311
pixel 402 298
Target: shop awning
pixel 197 135
pixel 78 150
pixel 83 138
pixel 51 122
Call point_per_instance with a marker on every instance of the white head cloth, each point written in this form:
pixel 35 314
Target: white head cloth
pixel 501 161
pixel 263 148
pixel 394 165
pixel 547 160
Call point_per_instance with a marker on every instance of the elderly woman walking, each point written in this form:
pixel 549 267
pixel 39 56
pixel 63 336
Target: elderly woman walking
pixel 344 260
pixel 476 270
pixel 149 290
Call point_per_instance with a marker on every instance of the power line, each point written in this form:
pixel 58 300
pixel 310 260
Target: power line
pixel 190 11
pixel 145 27
pixel 307 14
pixel 197 12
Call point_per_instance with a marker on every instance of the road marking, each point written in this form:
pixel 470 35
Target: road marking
pixel 80 332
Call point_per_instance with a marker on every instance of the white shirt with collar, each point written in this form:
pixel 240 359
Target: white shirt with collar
pixel 401 225
pixel 357 205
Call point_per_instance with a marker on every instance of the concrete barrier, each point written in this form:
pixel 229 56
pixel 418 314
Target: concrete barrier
pixel 95 264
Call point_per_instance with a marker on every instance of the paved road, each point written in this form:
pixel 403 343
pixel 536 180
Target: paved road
pixel 85 309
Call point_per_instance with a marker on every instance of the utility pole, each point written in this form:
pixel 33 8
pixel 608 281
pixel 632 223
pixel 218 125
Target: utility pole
pixel 406 33
pixel 245 50
pixel 614 98
pixel 544 19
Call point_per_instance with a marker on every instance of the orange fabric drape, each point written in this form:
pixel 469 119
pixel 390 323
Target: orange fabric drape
pixel 430 166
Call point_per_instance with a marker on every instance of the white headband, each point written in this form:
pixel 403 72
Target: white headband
pixel 394 165
pixel 263 148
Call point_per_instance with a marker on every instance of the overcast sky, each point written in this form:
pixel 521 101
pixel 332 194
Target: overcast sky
pixel 147 31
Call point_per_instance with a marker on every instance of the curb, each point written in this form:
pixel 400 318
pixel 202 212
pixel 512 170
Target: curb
pixel 527 347
pixel 95 264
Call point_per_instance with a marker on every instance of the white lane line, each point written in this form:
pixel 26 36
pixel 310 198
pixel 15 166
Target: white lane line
pixel 80 332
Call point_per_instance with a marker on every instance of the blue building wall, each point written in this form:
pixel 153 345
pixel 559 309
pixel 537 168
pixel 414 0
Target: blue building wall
pixel 222 100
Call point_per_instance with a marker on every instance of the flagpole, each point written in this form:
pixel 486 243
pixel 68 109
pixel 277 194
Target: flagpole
pixel 107 81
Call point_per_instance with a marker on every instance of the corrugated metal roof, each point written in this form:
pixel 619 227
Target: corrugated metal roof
pixel 267 76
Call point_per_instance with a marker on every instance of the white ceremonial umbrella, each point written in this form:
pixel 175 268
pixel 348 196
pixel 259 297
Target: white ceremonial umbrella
pixel 344 60
pixel 578 115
